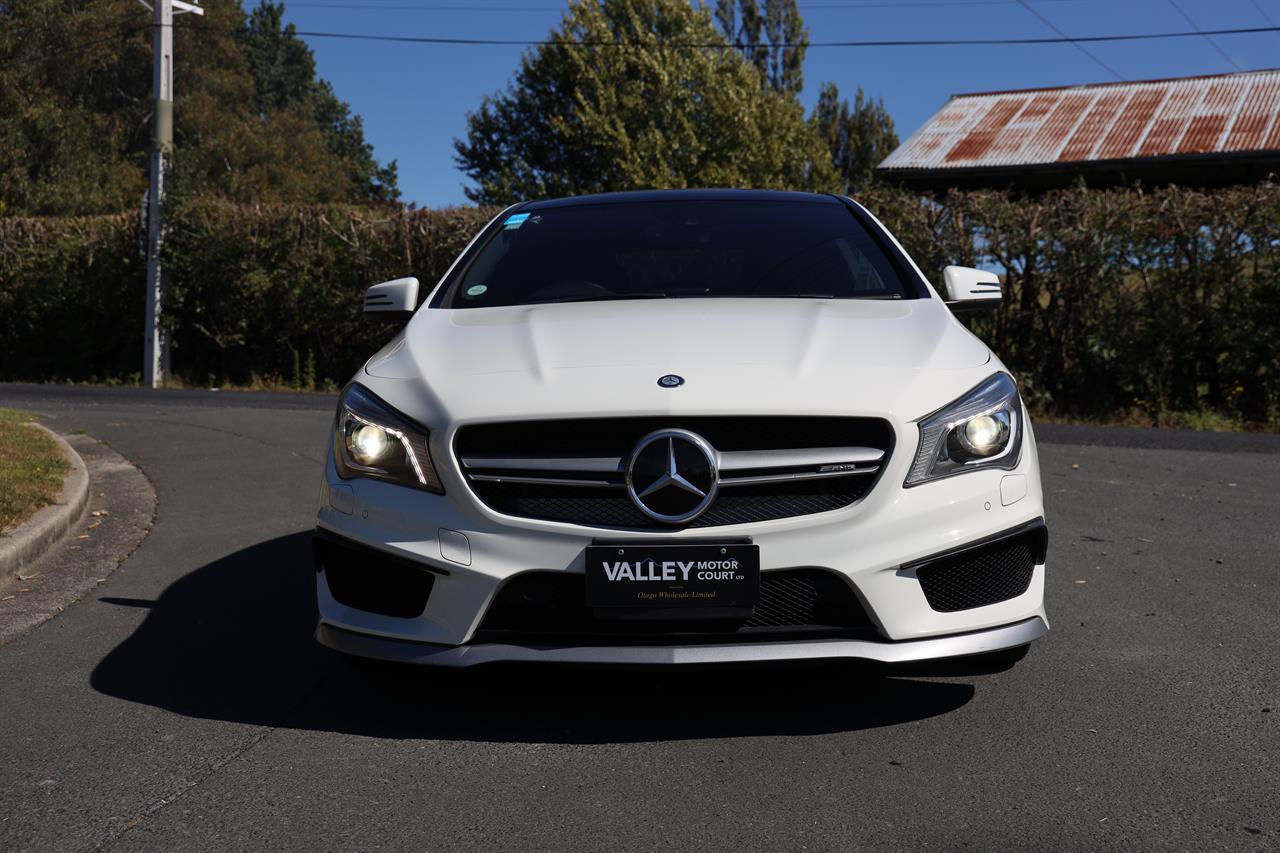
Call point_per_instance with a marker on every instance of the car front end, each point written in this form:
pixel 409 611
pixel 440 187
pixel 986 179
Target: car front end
pixel 681 480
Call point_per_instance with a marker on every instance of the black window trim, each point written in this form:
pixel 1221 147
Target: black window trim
pixel 897 258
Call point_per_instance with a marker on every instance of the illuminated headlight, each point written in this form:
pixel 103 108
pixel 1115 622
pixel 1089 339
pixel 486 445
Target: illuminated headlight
pixel 371 439
pixel 982 429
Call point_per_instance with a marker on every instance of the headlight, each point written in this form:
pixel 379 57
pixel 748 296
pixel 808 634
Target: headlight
pixel 370 439
pixel 983 429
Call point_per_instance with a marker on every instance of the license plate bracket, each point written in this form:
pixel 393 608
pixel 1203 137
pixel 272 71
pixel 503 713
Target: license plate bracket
pixel 672 580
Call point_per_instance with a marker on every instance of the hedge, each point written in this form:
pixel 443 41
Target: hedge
pixel 1164 300
pixel 1160 301
pixel 260 292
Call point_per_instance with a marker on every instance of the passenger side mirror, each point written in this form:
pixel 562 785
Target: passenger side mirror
pixel 392 301
pixel 969 289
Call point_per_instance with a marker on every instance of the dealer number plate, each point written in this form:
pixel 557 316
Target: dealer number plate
pixel 673 576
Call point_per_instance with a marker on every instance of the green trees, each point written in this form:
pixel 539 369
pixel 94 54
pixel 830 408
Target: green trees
pixel 284 78
pixel 771 35
pixel 633 94
pixel 859 137
pixel 252 121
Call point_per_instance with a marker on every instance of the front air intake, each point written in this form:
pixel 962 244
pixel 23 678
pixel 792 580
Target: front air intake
pixel 370 580
pixel 983 574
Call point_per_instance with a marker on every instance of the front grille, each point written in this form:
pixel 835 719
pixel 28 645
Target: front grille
pixel 612 508
pixel 544 606
pixel 372 581
pixel 986 574
pixel 770 467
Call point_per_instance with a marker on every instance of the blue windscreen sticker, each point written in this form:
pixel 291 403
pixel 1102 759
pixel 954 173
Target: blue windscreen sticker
pixel 515 220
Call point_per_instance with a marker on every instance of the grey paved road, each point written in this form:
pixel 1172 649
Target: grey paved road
pixel 182 703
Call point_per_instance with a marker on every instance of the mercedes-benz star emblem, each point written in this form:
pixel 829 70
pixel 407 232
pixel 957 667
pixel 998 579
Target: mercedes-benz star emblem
pixel 672 475
pixel 670 381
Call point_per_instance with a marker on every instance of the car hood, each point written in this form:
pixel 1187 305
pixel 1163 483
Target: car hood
pixel 603 357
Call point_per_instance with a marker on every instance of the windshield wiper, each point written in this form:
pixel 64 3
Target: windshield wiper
pixel 599 297
pixel 752 296
pixel 792 295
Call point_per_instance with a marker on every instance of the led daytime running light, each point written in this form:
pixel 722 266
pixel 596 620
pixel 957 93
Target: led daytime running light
pixel 400 436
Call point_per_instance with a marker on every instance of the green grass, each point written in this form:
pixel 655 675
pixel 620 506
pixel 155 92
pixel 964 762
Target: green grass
pixel 31 468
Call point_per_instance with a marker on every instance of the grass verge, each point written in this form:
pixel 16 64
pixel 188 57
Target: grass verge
pixel 31 468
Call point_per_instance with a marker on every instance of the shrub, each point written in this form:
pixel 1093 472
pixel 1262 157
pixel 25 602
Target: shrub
pixel 1165 300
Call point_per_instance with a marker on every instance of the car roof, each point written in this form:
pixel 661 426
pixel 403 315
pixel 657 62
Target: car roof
pixel 642 196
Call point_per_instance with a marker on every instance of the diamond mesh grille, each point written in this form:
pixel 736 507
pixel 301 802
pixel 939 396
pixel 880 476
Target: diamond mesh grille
pixel 980 576
pixel 541 603
pixel 612 508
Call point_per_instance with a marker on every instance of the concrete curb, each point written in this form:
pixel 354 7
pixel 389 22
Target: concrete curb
pixel 29 541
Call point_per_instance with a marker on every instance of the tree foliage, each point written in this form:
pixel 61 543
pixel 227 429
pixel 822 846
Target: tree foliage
pixel 771 35
pixel 252 122
pixel 627 94
pixel 859 137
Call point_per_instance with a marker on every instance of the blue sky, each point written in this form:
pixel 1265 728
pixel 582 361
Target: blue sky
pixel 414 98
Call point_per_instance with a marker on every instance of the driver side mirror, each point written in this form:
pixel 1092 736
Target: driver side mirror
pixel 392 301
pixel 969 289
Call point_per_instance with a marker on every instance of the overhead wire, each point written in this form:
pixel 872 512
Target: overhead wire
pixel 721 45
pixel 716 45
pixel 44 57
pixel 1211 42
pixel 1263 12
pixel 453 7
pixel 1024 4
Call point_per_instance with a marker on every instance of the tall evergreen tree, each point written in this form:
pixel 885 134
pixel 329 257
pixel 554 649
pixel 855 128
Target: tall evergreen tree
pixel 284 77
pixel 637 107
pixel 771 35
pixel 859 137
pixel 252 121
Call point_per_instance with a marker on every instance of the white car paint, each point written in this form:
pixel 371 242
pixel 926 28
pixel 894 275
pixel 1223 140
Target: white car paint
pixel 897 360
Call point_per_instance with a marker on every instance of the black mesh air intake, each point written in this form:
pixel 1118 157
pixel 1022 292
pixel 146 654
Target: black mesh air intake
pixel 985 574
pixel 544 606
pixel 370 580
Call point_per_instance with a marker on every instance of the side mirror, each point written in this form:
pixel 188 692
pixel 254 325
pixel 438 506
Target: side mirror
pixel 969 289
pixel 392 301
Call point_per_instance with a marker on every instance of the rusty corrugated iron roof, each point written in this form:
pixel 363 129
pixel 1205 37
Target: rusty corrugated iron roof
pixel 1223 114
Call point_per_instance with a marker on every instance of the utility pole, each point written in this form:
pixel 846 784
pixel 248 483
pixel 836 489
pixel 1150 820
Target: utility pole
pixel 156 363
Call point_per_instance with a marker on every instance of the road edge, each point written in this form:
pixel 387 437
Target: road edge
pixel 33 538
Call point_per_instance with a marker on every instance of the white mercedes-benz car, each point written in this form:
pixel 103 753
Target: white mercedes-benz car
pixel 682 427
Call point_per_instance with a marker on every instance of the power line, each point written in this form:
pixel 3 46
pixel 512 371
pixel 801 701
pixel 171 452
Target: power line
pixel 1077 45
pixel 1263 12
pixel 123 33
pixel 437 7
pixel 1211 42
pixel 720 45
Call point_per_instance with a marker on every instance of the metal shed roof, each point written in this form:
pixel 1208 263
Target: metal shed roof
pixel 1229 114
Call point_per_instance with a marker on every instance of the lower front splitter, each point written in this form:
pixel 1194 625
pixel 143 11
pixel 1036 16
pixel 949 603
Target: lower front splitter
pixel 932 648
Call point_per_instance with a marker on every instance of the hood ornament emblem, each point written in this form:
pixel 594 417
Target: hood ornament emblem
pixel 671 380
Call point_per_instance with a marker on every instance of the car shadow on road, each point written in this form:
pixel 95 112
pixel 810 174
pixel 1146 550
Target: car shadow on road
pixel 232 641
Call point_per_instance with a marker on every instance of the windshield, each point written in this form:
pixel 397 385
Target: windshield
pixel 658 249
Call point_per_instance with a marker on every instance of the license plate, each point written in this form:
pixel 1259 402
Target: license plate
pixel 675 577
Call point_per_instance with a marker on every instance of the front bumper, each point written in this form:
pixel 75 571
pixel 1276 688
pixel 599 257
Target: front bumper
pixel 935 648
pixel 874 544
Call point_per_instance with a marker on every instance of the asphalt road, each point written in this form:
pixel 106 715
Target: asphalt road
pixel 182 703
